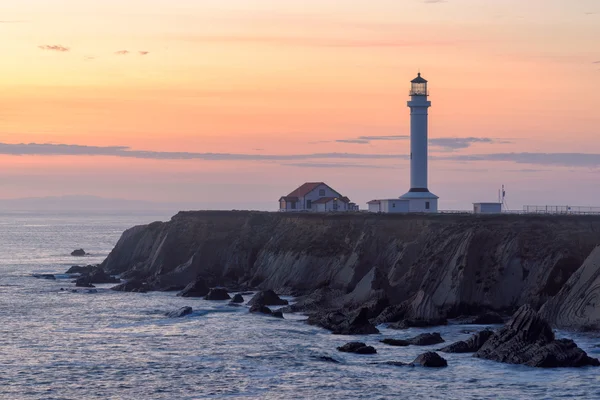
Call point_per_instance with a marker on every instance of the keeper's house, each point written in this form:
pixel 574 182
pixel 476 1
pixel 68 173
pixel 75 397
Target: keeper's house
pixel 316 197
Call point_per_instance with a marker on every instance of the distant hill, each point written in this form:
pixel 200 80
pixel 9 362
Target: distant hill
pixel 97 203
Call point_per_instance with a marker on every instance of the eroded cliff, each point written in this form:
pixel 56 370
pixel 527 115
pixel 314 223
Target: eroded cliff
pixel 440 265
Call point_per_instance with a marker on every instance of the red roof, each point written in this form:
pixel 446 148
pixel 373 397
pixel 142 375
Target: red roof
pixel 324 200
pixel 305 189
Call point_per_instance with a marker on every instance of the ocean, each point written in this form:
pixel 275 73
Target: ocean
pixel 59 344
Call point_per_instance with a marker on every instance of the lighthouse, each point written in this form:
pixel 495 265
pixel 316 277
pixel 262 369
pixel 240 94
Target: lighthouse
pixel 419 198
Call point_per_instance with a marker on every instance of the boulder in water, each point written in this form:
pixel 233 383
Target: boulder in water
pixel 470 345
pixel 357 348
pixel 528 339
pixel 133 285
pixel 237 298
pixel 267 298
pixel 96 275
pixel 78 253
pixel 217 294
pixel 198 288
pixel 183 311
pixel 431 360
pixel 44 276
pixel 395 342
pixel 426 339
pixel 78 269
pixel 343 324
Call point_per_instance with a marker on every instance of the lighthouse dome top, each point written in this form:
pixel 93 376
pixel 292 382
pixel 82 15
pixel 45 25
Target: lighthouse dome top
pixel 419 79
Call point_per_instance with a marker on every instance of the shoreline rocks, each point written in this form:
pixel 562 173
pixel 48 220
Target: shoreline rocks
pixel 217 294
pixel 528 339
pixel 344 324
pixel 133 285
pixel 182 312
pixel 198 288
pixel 357 348
pixel 267 298
pixel 95 276
pixel 78 253
pixel 471 345
pixel 424 339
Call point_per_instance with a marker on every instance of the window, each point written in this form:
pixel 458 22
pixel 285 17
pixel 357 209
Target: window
pixel 293 205
pixel 308 204
pixel 321 192
pixel 427 205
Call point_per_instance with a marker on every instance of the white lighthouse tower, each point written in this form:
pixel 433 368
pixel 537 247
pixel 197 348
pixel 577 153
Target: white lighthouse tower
pixel 419 197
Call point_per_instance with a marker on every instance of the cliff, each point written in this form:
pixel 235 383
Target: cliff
pixel 440 265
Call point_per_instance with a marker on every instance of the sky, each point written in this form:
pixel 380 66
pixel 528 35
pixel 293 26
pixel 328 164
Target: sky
pixel 232 104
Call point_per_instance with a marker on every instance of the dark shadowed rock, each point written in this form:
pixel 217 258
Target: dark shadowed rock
pixel 488 318
pixel 528 339
pixel 426 339
pixel 431 360
pixel 183 311
pixel 418 323
pixel 83 282
pixel 95 275
pixel 267 298
pixel 198 288
pixel 78 269
pixel 217 294
pixel 343 324
pixel 237 298
pixel 78 253
pixel 133 285
pixel 44 276
pixel 357 348
pixel 470 345
pixel 260 309
pixel 327 359
pixel 395 342
pixel 265 310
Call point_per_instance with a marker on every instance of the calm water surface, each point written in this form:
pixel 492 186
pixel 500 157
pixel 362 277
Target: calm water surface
pixel 108 345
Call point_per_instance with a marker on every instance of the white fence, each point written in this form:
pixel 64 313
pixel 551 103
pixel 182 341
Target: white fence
pixel 529 209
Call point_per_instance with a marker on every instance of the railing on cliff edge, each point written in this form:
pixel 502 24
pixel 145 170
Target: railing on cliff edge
pixel 530 209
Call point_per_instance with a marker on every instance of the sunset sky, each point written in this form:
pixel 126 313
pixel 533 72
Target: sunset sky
pixel 233 103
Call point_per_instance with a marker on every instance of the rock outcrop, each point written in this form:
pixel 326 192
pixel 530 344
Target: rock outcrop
pixel 198 288
pixel 470 345
pixel 78 269
pixel 182 312
pixel 357 348
pixel 528 339
pixel 217 294
pixel 424 339
pixel 356 323
pixel 95 275
pixel 577 304
pixel 267 298
pixel 132 285
pixel 437 266
pixel 265 310
pixel 429 360
pixel 237 298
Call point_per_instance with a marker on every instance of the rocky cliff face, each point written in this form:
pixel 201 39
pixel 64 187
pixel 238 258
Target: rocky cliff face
pixel 577 304
pixel 438 265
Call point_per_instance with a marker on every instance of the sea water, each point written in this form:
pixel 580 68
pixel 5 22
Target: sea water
pixel 59 344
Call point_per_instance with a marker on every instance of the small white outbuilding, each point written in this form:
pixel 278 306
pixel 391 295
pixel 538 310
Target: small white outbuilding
pixel 389 206
pixel 487 208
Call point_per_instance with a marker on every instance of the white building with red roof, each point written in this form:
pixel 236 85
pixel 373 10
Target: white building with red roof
pixel 316 197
